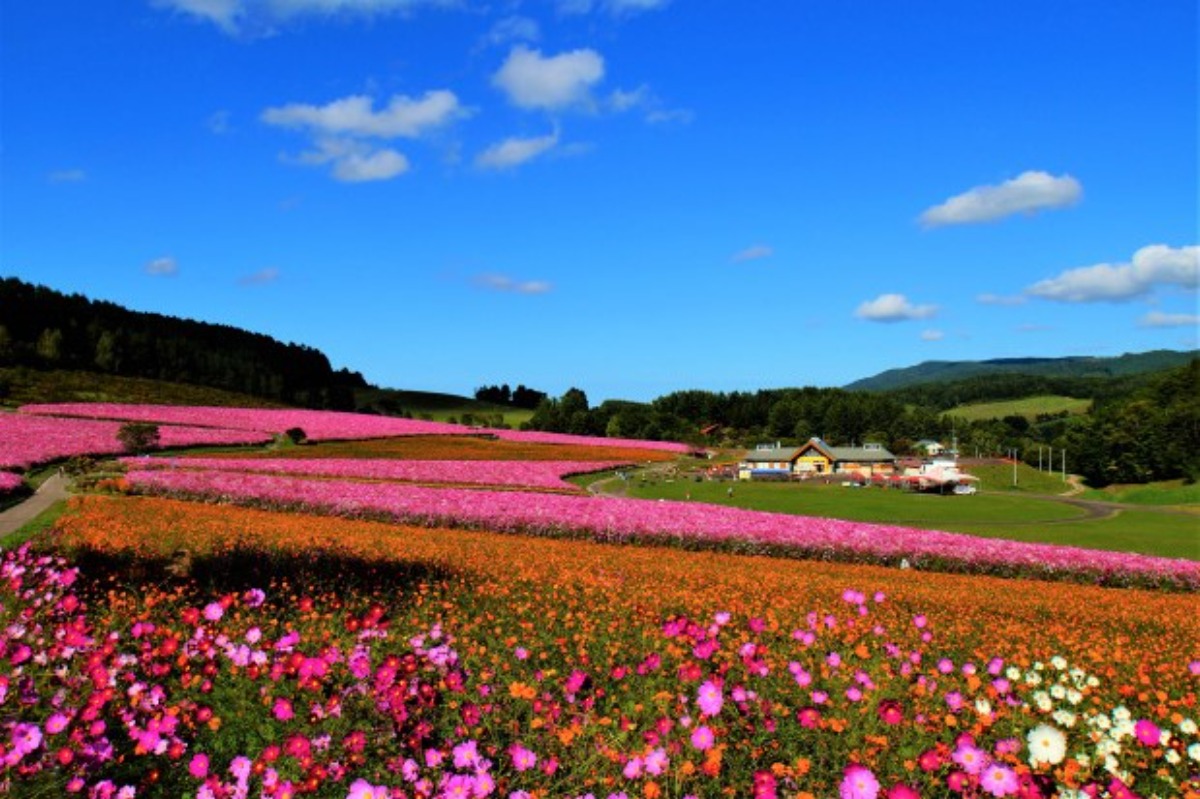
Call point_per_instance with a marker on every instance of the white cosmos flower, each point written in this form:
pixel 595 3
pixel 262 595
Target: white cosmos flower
pixel 1074 697
pixel 1064 717
pixel 1194 752
pixel 1172 757
pixel 1058 662
pixel 1013 673
pixel 1058 692
pixel 1121 713
pixel 1047 744
pixel 1187 727
pixel 1042 700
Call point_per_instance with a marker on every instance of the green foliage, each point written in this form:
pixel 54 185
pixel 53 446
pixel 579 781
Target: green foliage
pixel 26 385
pixel 296 435
pixel 109 339
pixel 138 437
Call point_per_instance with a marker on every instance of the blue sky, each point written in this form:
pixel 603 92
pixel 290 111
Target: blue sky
pixel 628 196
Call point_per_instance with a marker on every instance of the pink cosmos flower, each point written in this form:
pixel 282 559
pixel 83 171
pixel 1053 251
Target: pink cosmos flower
pixel 213 611
pixel 703 738
pixel 858 783
pixel 522 759
pixel 710 698
pixel 902 791
pixel 1147 732
pixel 282 709
pixel 999 780
pixel 972 759
pixel 198 767
pixel 657 762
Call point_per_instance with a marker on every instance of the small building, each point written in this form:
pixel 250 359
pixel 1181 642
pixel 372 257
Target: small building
pixel 929 447
pixel 815 458
pixel 866 461
pixel 768 462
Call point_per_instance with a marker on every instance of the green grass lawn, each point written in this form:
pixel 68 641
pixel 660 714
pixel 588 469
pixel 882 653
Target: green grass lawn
pixel 999 477
pixel 1171 492
pixel 1029 407
pixel 1012 515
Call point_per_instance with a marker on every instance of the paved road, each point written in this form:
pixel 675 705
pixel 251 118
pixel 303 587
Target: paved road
pixel 51 491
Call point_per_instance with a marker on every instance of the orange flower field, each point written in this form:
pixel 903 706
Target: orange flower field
pixel 564 668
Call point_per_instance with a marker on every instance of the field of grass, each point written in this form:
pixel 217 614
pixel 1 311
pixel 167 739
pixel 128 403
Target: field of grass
pixel 35 386
pixel 1029 407
pixel 999 477
pixel 440 407
pixel 1172 492
pixel 1013 516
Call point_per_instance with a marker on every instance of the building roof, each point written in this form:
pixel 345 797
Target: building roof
pixel 771 455
pixel 864 454
pixel 868 453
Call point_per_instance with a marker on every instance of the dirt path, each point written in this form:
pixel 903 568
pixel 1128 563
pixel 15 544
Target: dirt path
pixel 51 491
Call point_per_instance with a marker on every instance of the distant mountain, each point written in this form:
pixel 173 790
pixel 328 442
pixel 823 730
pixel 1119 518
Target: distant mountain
pixel 1074 366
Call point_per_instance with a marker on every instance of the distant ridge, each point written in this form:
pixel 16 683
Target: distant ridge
pixel 1071 366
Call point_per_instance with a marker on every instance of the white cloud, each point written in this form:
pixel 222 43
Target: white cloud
pixel 753 253
pixel 340 127
pixel 1160 319
pixel 163 267
pixel 257 16
pixel 507 284
pixel 555 82
pixel 1000 299
pixel 515 151
pixel 893 308
pixel 1151 267
pixel 611 6
pixel 932 335
pixel 621 101
pixel 1027 193
pixel 514 29
pixel 67 176
pixel 355 115
pixel 261 277
pixel 218 122
pixel 355 161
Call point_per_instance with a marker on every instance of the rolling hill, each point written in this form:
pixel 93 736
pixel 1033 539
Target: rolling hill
pixel 1072 367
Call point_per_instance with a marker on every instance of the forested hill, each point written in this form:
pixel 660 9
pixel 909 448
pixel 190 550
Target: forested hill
pixel 1070 367
pixel 46 329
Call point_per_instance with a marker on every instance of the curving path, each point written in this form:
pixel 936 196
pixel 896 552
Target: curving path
pixel 51 491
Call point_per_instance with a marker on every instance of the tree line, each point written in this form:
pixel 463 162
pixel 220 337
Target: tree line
pixel 1139 429
pixel 45 329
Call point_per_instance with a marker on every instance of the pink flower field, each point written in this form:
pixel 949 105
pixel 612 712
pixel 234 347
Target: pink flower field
pixel 10 482
pixel 684 523
pixel 321 425
pixel 525 474
pixel 27 440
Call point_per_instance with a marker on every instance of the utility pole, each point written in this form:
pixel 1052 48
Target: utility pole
pixel 1064 465
pixel 1014 452
pixel 1039 457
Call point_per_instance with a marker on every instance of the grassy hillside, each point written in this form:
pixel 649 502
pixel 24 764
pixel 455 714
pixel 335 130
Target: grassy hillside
pixel 1074 367
pixel 435 406
pixel 20 386
pixel 1029 407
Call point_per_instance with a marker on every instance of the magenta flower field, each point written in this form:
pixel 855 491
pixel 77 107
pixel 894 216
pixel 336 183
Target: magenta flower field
pixel 686 523
pixel 319 425
pixel 27 440
pixel 524 474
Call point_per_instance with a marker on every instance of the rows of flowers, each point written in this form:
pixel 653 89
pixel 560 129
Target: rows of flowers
pixel 317 425
pixel 515 676
pixel 27 440
pixel 526 474
pixel 688 524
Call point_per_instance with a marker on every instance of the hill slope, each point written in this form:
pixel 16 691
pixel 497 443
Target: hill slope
pixel 1073 366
